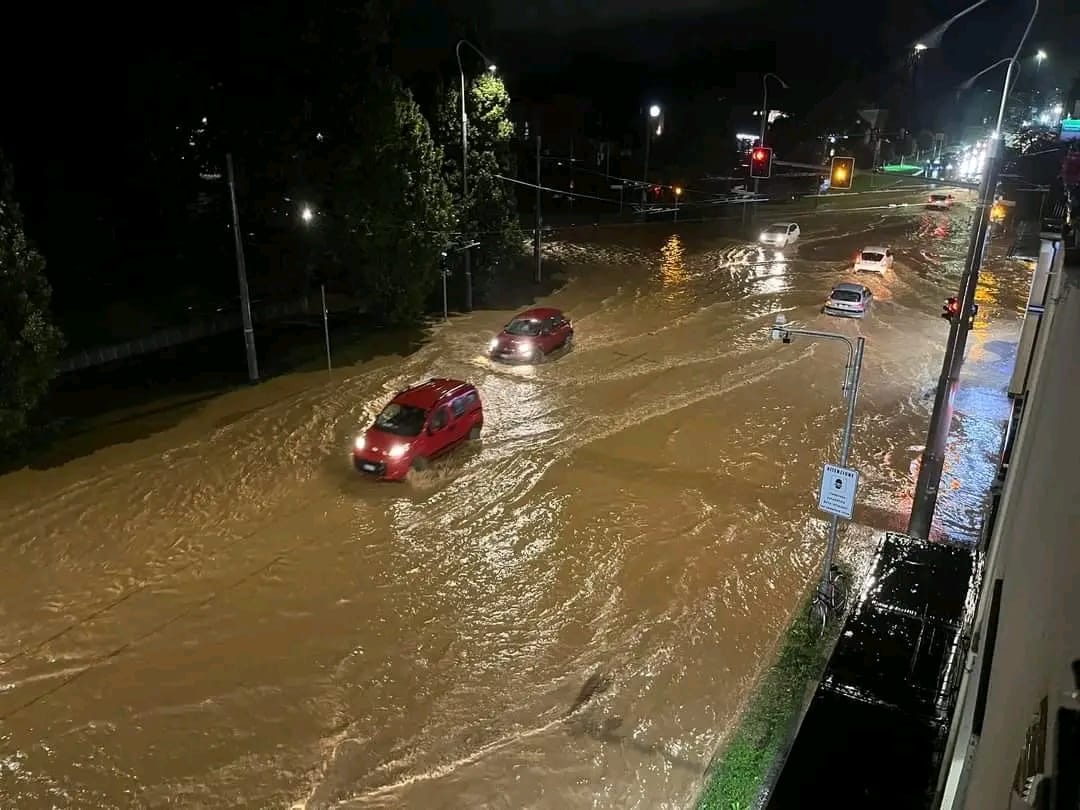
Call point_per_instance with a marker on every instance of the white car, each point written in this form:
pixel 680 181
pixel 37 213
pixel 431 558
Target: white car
pixel 848 300
pixel 874 260
pixel 940 202
pixel 780 234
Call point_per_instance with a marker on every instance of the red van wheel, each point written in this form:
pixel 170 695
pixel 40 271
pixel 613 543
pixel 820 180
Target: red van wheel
pixel 420 463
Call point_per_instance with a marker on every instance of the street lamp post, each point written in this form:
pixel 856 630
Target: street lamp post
pixel 765 114
pixel 465 157
pixel 1039 57
pixel 678 194
pixel 933 457
pixel 654 113
pixel 852 373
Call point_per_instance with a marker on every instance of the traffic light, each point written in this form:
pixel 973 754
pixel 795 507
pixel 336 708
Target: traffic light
pixel 950 308
pixel 843 170
pixel 761 162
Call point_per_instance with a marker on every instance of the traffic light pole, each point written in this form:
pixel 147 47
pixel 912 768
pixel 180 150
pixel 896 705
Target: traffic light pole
pixel 933 458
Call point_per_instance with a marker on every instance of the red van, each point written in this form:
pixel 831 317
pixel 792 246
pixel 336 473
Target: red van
pixel 417 425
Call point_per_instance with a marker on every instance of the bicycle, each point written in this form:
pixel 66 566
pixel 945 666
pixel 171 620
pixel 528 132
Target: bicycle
pixel 829 601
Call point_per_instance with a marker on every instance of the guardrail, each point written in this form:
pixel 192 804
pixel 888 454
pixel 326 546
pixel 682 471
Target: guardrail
pixel 177 335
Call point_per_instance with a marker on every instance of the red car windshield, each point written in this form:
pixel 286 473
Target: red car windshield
pixel 401 420
pixel 523 327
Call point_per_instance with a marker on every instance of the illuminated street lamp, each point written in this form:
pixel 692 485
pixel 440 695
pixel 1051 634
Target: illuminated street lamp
pixel 678 193
pixel 654 115
pixel 465 153
pixel 307 214
pixel 932 38
pixel 780 330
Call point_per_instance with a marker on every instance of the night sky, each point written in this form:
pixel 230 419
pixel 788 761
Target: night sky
pixel 81 89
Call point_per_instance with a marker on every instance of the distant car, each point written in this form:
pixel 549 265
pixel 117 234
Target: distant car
pixel 417 425
pixel 849 300
pixel 780 234
pixel 940 202
pixel 874 260
pixel 532 335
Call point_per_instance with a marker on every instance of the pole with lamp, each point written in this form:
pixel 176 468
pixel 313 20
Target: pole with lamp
pixel 831 590
pixel 678 194
pixel 465 157
pixel 654 115
pixel 765 114
pixel 307 216
pixel 933 458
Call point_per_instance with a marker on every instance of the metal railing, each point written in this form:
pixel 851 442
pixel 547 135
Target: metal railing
pixel 187 333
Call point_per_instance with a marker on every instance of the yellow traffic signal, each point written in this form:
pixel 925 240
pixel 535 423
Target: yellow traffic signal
pixel 843 170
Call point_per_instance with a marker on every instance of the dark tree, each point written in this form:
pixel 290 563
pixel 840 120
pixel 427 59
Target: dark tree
pixel 29 342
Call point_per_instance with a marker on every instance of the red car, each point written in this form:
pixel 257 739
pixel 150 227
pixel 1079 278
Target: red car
pixel 532 335
pixel 419 424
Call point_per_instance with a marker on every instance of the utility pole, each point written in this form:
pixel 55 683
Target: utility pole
pixel 571 174
pixel 539 217
pixel 933 458
pixel 326 328
pixel 241 272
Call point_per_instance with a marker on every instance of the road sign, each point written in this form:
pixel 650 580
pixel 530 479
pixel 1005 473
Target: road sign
pixel 838 485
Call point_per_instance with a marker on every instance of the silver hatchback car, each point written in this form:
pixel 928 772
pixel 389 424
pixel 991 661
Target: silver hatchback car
pixel 849 300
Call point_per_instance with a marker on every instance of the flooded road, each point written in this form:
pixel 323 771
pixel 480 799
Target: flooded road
pixel 568 615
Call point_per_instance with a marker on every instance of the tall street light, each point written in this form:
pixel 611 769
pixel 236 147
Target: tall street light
pixel 933 458
pixel 932 38
pixel 654 115
pixel 765 113
pixel 465 156
pixel 852 372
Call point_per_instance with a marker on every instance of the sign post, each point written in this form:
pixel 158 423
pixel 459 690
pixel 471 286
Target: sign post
pixel 837 495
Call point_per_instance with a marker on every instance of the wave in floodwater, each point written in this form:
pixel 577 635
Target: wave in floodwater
pixel 569 613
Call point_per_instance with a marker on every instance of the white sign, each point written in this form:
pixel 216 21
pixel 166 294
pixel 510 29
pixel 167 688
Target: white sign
pixel 838 485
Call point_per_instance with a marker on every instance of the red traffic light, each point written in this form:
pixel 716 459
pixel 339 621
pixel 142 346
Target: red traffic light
pixel 761 162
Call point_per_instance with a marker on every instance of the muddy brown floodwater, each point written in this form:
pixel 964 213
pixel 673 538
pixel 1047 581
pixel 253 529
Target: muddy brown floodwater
pixel 568 615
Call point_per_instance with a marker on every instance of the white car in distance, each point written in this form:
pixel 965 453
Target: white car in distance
pixel 780 234
pixel 940 202
pixel 874 259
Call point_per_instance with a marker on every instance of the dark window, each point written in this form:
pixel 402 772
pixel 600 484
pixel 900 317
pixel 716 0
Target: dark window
pixel 438 421
pixel 458 406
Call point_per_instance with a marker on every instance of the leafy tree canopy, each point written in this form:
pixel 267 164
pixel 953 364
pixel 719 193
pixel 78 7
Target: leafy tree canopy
pixel 387 204
pixel 29 342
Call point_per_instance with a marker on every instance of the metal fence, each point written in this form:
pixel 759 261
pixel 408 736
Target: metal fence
pixel 177 335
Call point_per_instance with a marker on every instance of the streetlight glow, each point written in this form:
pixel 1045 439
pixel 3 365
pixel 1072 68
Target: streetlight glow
pixel 919 47
pixel 306 213
pixel 491 67
pixel 654 111
pixel 1040 55
pixel 678 191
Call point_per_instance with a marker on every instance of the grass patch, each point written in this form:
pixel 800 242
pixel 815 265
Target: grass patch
pixel 736 775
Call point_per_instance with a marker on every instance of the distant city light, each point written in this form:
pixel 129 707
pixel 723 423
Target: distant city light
pixel 319 137
pixel 654 111
pixel 204 119
pixel 307 214
pixel 919 47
